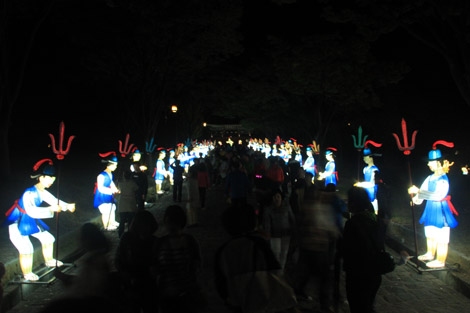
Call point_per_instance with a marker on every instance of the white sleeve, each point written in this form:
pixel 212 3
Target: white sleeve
pixel 442 188
pixel 101 187
pixel 35 211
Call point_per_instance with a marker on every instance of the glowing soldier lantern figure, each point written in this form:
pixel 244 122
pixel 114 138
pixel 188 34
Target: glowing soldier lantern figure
pixel 171 161
pixel 309 165
pixel 369 173
pixel 105 191
pixel 438 216
pixel 136 156
pixel 24 219
pixel 330 175
pixel 160 171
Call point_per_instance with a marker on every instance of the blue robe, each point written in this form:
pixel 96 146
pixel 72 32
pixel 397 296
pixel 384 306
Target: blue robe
pixel 437 212
pixel 368 173
pixel 309 165
pixel 160 170
pixel 100 197
pixel 330 167
pixel 27 225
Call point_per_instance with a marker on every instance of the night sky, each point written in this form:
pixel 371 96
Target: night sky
pixel 57 87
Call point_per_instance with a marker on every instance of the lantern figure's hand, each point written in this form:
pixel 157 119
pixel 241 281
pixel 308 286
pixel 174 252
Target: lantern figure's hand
pixel 71 207
pixel 413 190
pixel 417 201
pixel 465 170
pixel 55 208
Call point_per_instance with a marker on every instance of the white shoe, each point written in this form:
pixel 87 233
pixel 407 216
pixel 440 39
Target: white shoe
pixel 426 257
pixel 31 277
pixel 54 263
pixel 436 264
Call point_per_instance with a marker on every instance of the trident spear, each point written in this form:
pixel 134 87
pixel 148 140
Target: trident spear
pixel 406 149
pixel 124 150
pixel 60 154
pixel 359 144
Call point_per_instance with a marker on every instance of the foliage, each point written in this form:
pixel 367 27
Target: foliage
pixel 303 80
pixel 444 26
pixel 21 20
pixel 155 53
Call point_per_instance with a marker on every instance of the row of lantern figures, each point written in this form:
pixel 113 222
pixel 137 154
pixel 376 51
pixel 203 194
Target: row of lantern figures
pixel 24 217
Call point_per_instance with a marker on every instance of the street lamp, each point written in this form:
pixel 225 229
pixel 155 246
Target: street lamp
pixel 204 124
pixel 174 109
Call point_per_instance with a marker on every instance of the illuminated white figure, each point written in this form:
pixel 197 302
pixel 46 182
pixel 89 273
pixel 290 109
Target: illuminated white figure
pixel 369 174
pixel 160 171
pixel 24 219
pixel 171 161
pixel 309 165
pixel 105 191
pixel 330 174
pixel 438 215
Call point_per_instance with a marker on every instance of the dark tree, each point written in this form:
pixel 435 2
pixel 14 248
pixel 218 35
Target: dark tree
pixel 443 26
pixel 155 54
pixel 20 21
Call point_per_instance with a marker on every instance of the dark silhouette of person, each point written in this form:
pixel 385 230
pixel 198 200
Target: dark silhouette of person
pixel 237 184
pixel 176 264
pixel 133 261
pixel 127 201
pixel 246 252
pixel 203 183
pixel 178 172
pixel 94 278
pixel 141 180
pixel 359 248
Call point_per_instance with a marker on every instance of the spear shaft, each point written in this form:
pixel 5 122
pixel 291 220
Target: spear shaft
pixel 56 252
pixel 413 213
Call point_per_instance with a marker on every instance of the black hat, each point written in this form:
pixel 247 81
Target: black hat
pixel 109 157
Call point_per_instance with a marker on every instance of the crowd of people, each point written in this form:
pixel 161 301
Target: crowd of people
pixel 286 229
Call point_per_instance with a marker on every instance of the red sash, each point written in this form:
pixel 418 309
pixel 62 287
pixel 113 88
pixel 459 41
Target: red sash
pixel 451 206
pixel 15 205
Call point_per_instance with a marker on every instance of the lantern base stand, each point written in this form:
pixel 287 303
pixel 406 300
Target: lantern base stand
pixel 46 276
pixel 420 267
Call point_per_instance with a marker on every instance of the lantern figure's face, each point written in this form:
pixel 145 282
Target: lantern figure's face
pixel 46 181
pixel 309 153
pixel 368 160
pixel 434 165
pixel 136 157
pixel 329 157
pixel 112 166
